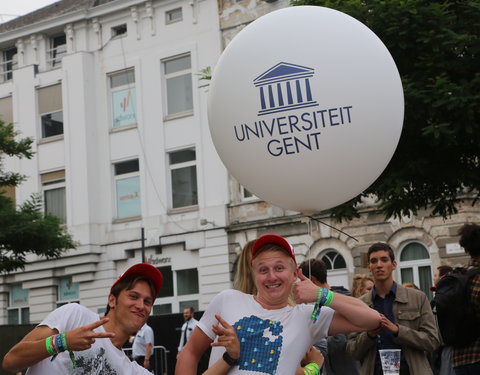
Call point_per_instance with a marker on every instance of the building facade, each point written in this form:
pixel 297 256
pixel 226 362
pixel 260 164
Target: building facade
pixel 109 92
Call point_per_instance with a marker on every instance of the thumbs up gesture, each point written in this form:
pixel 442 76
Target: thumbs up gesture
pixel 304 290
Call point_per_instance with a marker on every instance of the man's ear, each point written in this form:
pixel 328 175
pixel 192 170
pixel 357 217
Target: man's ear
pixel 112 301
pixel 394 263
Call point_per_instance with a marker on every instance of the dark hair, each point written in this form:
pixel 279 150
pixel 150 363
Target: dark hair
pixel 443 270
pixel 128 284
pixel 317 268
pixel 470 239
pixel 192 310
pixel 379 246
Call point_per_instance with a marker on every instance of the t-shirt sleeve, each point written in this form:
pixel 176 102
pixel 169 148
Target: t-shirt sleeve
pixel 69 316
pixel 319 329
pixel 149 336
pixel 208 317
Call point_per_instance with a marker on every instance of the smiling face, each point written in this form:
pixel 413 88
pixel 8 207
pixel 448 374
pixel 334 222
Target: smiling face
pixel 381 265
pixel 130 310
pixel 274 274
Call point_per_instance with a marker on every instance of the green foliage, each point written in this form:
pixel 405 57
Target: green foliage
pixel 436 46
pixel 25 230
pixel 205 75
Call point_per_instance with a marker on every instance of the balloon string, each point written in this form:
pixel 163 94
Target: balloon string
pixel 328 225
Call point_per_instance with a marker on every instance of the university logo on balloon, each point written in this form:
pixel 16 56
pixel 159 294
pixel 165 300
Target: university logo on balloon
pixel 284 88
pixel 306 108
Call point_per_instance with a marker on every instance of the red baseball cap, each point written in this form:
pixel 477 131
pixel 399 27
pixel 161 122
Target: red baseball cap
pixel 143 269
pixel 273 239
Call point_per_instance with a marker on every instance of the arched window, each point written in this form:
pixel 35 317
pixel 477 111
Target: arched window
pixel 333 259
pixel 415 266
pixel 337 273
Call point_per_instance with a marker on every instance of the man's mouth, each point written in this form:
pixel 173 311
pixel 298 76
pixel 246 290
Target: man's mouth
pixel 273 286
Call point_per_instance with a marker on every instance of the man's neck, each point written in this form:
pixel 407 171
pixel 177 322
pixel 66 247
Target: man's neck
pixel 383 287
pixel 120 338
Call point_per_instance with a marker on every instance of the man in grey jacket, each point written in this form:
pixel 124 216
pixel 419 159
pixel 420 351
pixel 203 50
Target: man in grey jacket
pixel 407 320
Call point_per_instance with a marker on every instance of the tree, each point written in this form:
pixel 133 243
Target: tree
pixel 25 229
pixel 436 46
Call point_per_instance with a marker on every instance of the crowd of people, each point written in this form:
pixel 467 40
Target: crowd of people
pixel 282 318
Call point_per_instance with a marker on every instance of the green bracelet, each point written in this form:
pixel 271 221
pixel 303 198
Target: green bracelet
pixel 63 335
pixel 48 344
pixel 329 298
pixel 311 369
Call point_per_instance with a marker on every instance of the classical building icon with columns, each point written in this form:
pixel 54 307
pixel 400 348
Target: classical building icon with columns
pixel 284 87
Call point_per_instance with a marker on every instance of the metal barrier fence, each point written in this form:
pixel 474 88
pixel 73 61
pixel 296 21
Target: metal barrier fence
pixel 160 356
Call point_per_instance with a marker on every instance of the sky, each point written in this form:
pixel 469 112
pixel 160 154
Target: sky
pixel 11 8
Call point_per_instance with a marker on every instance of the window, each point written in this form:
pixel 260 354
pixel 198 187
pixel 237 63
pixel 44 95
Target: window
pixel 68 291
pixel 187 281
pixel 415 267
pixel 50 110
pixel 124 98
pixel 54 200
pixel 18 311
pixel 174 15
pixel 337 272
pixel 246 195
pixel 333 260
pixel 9 63
pixel 58 48
pixel 180 288
pixel 127 187
pixel 119 30
pixel 178 82
pixel 183 174
pixel 6 110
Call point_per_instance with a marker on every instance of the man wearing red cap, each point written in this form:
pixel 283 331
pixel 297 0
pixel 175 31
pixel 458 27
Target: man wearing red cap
pixel 74 340
pixel 273 335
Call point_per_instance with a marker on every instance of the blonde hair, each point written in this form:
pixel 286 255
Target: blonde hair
pixel 244 275
pixel 359 283
pixel 411 285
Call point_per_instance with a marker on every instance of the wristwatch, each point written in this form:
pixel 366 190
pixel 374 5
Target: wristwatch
pixel 230 361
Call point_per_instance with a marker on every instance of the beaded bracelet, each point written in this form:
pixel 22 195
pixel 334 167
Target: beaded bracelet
pixel 311 369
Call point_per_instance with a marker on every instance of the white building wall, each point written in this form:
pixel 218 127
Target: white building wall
pixel 89 147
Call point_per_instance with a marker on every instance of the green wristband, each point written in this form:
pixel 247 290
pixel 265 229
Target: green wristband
pixel 311 369
pixel 329 298
pixel 48 345
pixel 64 340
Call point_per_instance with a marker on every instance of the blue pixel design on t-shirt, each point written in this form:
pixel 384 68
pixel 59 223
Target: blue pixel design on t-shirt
pixel 260 344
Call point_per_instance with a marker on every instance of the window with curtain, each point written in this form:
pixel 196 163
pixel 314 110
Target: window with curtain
pixel 50 110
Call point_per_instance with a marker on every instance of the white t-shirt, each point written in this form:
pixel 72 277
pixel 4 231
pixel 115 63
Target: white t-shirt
pixel 103 358
pixel 142 338
pixel 187 330
pixel 271 341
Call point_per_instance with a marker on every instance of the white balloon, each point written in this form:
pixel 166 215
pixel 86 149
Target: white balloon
pixel 306 108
